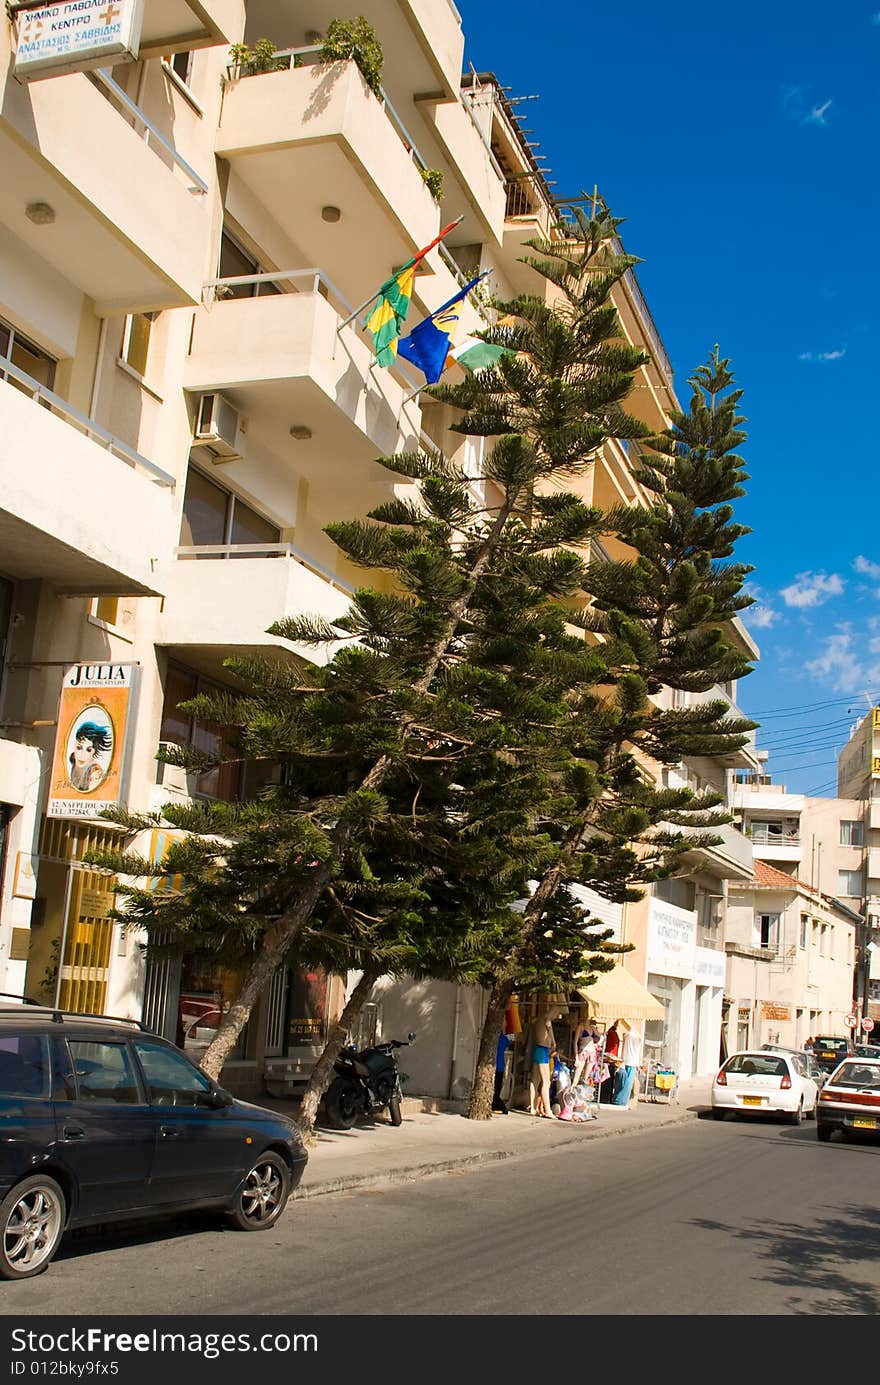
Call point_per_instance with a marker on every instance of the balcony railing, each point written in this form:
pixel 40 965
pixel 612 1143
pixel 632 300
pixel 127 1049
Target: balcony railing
pixel 761 837
pixel 232 551
pixel 41 395
pixel 315 281
pixel 103 78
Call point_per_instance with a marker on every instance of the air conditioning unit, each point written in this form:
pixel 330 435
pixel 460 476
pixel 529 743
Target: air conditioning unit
pixel 219 428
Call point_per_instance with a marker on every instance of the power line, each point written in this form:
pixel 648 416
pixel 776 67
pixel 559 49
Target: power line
pixel 804 707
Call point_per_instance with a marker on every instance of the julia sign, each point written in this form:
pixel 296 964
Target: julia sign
pixel 89 765
pixel 71 35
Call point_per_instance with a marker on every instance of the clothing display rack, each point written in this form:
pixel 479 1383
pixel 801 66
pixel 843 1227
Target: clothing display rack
pixel 661 1082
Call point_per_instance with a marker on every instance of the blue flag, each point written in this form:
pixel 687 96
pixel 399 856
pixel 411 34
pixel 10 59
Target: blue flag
pixel 429 344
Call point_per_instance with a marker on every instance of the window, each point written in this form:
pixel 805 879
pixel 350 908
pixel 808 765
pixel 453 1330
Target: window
pixel 805 926
pixel 24 1067
pixel 171 1080
pixel 178 727
pixel 757 1065
pixel 103 1072
pixel 136 340
pixel 849 884
pixel 767 931
pixel 27 356
pixel 213 515
pixel 680 698
pixel 106 608
pixel 824 939
pixel 181 63
pixel 236 262
pixel 852 833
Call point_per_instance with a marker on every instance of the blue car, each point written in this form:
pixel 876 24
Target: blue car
pixel 101 1120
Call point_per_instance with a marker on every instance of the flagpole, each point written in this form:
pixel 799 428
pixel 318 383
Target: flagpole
pixel 420 256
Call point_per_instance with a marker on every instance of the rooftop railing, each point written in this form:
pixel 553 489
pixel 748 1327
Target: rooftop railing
pixel 94 431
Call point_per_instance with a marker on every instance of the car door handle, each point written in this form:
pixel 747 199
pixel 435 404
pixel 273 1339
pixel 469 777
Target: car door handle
pixel 169 1132
pixel 73 1132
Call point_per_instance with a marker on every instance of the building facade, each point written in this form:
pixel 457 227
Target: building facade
pixel 186 400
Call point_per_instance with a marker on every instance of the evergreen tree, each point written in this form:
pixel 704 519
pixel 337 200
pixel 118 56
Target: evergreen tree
pixel 663 616
pixel 401 710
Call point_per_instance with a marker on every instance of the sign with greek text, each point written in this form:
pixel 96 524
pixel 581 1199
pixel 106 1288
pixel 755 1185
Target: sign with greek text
pixel 709 967
pixel 72 35
pixel 672 940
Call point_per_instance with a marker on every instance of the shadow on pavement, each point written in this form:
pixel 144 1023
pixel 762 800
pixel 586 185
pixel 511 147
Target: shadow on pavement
pixel 819 1258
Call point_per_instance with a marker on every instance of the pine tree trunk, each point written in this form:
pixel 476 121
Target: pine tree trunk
pixel 282 934
pixel 273 951
pixel 323 1069
pixel 480 1108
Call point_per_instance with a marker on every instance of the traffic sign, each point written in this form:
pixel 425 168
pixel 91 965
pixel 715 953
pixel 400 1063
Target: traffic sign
pixel 849 1022
pixel 867 1024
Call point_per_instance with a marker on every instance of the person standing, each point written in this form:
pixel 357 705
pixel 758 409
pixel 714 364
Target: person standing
pixel 630 1058
pixel 612 1050
pixel 504 1042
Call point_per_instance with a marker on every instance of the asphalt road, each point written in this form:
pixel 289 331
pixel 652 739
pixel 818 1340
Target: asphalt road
pixel 703 1218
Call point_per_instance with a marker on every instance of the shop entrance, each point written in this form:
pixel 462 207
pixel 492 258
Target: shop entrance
pixel 71 933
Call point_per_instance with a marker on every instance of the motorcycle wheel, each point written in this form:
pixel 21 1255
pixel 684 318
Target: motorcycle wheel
pixel 394 1112
pixel 342 1104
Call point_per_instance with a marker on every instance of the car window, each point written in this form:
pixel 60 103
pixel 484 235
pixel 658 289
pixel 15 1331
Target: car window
pixel 757 1065
pixel 801 1064
pixel 171 1079
pixel 24 1066
pixel 103 1072
pixel 838 1045
pixel 858 1075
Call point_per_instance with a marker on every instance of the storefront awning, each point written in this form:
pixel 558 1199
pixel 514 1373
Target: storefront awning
pixel 616 994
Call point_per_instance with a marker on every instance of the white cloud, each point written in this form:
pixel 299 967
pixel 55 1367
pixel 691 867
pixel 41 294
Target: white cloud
pixel 760 617
pixel 840 664
pixel 837 355
pixel 816 115
pixel 811 589
pixel 875 18
pixel 867 568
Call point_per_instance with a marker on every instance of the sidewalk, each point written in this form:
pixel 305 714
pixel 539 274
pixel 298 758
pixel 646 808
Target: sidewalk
pixel 441 1141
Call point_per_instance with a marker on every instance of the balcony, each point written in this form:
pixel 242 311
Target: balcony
pixel 284 360
pixel 172 26
pixel 311 137
pixel 216 608
pixel 775 846
pixel 422 40
pixel 730 859
pixel 68 494
pixel 128 228
pixel 473 176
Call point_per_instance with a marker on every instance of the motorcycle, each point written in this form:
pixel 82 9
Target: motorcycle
pixel 368 1081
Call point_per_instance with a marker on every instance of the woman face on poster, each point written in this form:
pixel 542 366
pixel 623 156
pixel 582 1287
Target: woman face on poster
pixel 88 768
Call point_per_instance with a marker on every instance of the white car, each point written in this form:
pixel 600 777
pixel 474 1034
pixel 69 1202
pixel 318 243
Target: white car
pixel 762 1082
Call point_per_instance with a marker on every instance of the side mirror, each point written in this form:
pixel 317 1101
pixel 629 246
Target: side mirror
pixel 410 1037
pixel 221 1098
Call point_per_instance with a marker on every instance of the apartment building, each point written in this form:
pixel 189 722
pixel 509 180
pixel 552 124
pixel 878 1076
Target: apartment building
pixel 858 777
pixel 790 951
pixel 829 844
pixel 186 399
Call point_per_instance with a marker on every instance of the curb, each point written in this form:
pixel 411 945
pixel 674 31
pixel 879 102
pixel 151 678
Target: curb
pixel 410 1173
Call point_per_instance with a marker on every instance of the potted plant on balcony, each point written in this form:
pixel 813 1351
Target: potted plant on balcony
pixel 245 61
pixel 355 40
pixel 433 180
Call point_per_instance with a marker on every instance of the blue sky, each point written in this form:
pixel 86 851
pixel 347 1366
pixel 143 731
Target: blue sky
pixel 741 145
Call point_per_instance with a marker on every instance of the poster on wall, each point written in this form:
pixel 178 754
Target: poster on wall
pixel 72 35
pixel 307 1008
pixel 90 761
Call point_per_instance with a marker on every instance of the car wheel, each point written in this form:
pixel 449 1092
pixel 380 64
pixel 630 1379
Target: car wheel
pixel 263 1194
pixel 32 1220
pixel 797 1117
pixel 823 1132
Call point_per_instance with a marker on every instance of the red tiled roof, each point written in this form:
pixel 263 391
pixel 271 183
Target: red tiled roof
pixel 769 875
